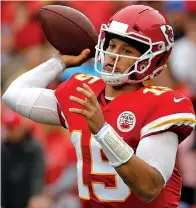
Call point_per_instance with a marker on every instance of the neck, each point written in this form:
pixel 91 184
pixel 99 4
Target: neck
pixel 115 91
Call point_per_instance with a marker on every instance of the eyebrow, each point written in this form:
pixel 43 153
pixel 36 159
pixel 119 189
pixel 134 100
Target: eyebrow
pixel 124 44
pixel 127 45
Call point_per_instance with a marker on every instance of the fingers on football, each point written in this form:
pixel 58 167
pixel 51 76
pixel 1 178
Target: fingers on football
pixel 78 111
pixel 88 88
pixel 84 55
pixel 80 101
pixel 85 52
pixel 86 93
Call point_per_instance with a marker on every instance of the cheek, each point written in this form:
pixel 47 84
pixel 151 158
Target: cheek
pixel 106 59
pixel 126 63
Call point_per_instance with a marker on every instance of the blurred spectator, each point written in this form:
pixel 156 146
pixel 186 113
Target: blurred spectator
pixel 58 150
pixel 60 170
pixel 27 59
pixel 7 44
pixel 21 17
pixel 93 9
pixel 187 165
pixel 190 6
pixel 176 13
pixel 182 59
pixel 22 37
pixel 154 4
pixel 183 68
pixel 22 157
pixel 64 191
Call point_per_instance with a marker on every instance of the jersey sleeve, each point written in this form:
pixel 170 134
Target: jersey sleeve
pixel 62 117
pixel 171 111
pixel 59 92
pixel 67 88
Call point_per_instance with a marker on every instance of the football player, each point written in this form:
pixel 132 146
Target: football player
pixel 125 135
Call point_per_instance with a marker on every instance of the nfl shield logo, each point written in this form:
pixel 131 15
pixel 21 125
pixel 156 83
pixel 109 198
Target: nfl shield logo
pixel 126 121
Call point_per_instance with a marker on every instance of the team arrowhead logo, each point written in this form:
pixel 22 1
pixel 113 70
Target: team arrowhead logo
pixel 126 121
pixel 168 33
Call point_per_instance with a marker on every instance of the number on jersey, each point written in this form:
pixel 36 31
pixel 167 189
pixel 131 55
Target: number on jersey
pixel 156 90
pixel 83 77
pixel 119 193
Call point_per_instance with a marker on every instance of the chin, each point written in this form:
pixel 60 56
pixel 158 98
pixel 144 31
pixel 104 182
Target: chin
pixel 118 87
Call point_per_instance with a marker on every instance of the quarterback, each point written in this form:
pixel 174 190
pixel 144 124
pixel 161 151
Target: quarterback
pixel 125 135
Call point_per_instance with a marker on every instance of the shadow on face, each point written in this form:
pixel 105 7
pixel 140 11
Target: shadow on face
pixel 120 47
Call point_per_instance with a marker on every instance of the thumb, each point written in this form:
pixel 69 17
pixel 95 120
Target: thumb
pixel 84 54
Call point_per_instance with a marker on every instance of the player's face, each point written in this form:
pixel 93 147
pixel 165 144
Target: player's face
pixel 117 46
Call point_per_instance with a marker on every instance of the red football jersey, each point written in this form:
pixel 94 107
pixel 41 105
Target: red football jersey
pixel 134 116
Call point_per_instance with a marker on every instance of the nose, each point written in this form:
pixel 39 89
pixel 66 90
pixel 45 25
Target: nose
pixel 116 50
pixel 112 57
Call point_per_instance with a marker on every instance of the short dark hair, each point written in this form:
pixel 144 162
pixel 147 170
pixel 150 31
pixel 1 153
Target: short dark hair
pixel 141 47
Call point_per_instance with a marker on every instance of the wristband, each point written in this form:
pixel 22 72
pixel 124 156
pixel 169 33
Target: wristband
pixel 115 148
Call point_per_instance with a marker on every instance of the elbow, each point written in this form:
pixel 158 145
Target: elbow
pixel 147 194
pixel 5 97
pixel 150 190
pixel 8 99
pixel 147 191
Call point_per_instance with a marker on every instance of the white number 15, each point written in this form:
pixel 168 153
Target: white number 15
pixel 119 193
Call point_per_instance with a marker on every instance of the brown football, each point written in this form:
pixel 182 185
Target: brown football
pixel 67 29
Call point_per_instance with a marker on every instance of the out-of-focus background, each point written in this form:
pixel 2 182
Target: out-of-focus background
pixel 38 161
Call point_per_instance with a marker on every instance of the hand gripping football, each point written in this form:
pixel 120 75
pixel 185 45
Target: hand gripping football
pixel 67 29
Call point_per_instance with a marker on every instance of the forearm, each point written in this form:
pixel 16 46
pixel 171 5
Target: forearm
pixel 141 178
pixel 27 94
pixel 24 92
pixel 146 172
pixel 39 76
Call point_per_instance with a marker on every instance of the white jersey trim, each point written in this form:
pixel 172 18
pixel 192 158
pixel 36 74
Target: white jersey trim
pixel 166 122
pixel 62 114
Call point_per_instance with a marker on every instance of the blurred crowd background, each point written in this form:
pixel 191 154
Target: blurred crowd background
pixel 38 161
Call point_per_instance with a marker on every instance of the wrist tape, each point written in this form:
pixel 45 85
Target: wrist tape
pixel 115 148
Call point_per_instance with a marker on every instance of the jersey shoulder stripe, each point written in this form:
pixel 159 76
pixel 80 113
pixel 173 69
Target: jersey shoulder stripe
pixel 164 123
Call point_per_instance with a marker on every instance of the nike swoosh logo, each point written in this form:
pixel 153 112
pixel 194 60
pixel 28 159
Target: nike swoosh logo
pixel 178 100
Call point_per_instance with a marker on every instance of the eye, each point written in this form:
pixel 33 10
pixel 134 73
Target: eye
pixel 127 51
pixel 111 46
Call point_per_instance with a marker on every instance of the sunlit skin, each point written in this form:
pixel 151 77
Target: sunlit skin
pixel 120 47
pixel 117 46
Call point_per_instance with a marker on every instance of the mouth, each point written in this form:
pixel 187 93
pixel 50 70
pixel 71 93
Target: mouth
pixel 109 68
